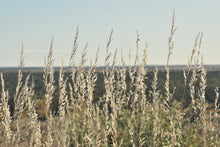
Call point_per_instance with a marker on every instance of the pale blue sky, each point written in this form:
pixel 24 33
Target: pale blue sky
pixel 35 22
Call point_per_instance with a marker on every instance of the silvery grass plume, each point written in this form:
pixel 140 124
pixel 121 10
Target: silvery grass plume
pixel 61 133
pixel 132 71
pixel 72 66
pixel 171 136
pixel 74 50
pixel 73 90
pixel 80 76
pixel 18 101
pixel 18 137
pixel 49 78
pixel 139 100
pixel 63 101
pixel 133 100
pixel 155 95
pixel 120 100
pixel 170 47
pixel 195 69
pixel 189 64
pixel 36 135
pixel 91 78
pixel 130 102
pixel 78 95
pixel 114 102
pixel 202 105
pixel 143 99
pixel 192 85
pixel 81 96
pixel 6 115
pixel 122 83
pixel 197 60
pixel 108 81
pixel 136 84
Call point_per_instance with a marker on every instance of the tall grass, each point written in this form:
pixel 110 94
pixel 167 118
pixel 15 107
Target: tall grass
pixel 124 116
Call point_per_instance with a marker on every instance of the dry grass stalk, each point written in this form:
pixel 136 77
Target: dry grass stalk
pixel 62 123
pixel 170 46
pixel 18 102
pixel 155 95
pixel 49 78
pixel 36 135
pixel 202 104
pixel 108 80
pixel 74 50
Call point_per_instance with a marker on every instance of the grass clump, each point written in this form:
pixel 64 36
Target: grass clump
pixel 126 114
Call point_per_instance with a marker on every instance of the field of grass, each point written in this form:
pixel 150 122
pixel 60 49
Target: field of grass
pixel 125 115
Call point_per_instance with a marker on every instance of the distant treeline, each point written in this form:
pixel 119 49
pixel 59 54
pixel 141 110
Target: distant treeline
pixel 176 80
